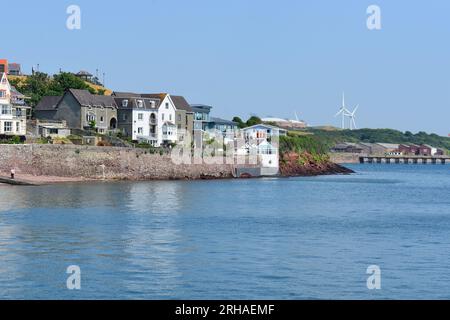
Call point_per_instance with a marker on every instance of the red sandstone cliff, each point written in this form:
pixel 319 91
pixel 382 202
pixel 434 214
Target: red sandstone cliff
pixel 305 164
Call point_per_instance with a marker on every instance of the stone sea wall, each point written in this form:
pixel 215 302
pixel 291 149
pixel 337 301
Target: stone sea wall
pixel 344 157
pixel 102 162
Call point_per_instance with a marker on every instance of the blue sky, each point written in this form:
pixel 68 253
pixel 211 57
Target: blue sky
pixel 244 57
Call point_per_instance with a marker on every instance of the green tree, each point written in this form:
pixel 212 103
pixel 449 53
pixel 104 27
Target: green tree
pixel 253 121
pixel 63 81
pixel 36 86
pixel 239 121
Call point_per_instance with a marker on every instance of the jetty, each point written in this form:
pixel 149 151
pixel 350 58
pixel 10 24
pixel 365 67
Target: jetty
pixel 404 159
pixel 16 182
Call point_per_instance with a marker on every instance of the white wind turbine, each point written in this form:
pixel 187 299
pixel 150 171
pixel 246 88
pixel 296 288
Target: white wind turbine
pixel 343 111
pixel 352 117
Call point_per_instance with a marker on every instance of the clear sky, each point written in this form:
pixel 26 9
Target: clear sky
pixel 244 57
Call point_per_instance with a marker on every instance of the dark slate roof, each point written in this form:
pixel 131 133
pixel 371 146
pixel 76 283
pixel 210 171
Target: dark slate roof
pixel 48 103
pixel 223 121
pixel 132 98
pixel 85 98
pixel 160 96
pixel 133 103
pixel 181 103
pixel 126 94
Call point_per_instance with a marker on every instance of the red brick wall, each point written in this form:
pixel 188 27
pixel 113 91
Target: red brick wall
pixel 4 65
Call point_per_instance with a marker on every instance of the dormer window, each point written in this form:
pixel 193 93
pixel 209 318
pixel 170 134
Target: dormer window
pixel 125 103
pixel 140 104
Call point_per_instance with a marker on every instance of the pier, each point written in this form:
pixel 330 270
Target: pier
pixel 16 182
pixel 404 160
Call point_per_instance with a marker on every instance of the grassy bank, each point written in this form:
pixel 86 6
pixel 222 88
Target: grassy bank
pixel 332 136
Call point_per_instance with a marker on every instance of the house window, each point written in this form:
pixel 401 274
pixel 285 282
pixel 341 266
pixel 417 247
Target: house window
pixel 124 117
pixel 101 119
pixel 170 117
pixel 125 103
pixel 2 94
pixel 140 130
pixel 163 117
pixel 17 127
pixel 167 105
pixel 90 117
pixel 18 112
pixel 179 117
pixel 6 109
pixel 140 116
pixel 7 127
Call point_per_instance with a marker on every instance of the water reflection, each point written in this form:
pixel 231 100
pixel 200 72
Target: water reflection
pixel 155 197
pixel 153 239
pixel 130 227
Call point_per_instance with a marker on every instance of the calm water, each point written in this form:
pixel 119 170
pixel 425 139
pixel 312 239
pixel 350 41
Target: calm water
pixel 248 239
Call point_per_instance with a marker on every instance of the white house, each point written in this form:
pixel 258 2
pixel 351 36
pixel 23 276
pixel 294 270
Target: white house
pixel 263 132
pixel 147 117
pixel 260 141
pixel 13 111
pixel 167 129
pixel 267 154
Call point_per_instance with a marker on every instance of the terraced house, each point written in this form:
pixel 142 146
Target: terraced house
pixel 13 110
pixel 137 116
pixel 167 129
pixel 149 118
pixel 81 110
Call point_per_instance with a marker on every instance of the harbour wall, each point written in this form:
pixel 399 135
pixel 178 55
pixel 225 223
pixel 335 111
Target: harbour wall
pixel 103 163
pixel 343 158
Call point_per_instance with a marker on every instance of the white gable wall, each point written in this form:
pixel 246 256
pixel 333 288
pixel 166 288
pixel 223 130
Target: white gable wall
pixel 10 124
pixel 166 113
pixel 143 123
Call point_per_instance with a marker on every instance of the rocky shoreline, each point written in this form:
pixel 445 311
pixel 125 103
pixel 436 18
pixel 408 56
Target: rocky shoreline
pixel 293 165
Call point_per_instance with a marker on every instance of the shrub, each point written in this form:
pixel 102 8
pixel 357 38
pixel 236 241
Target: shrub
pixel 305 143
